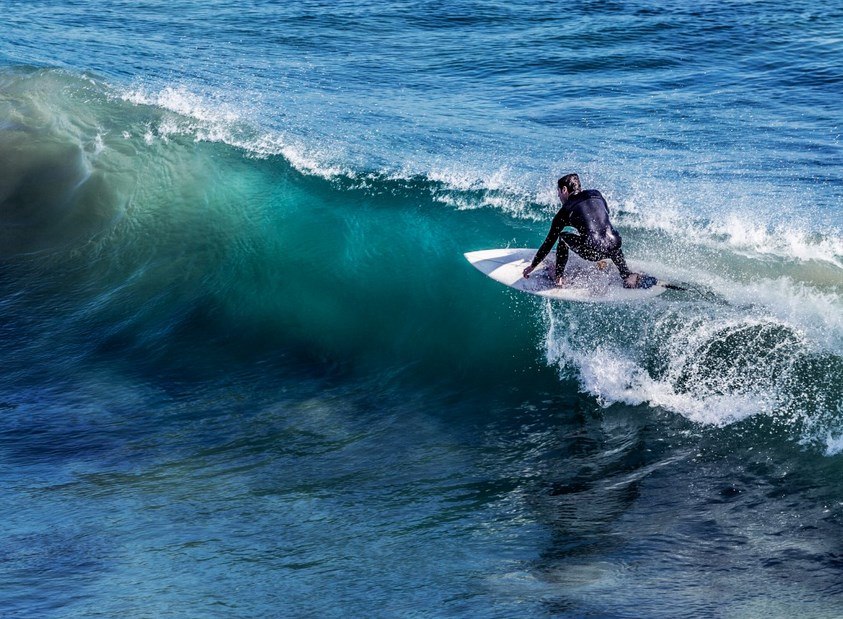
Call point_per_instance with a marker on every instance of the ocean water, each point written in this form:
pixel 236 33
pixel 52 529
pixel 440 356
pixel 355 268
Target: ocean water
pixel 248 373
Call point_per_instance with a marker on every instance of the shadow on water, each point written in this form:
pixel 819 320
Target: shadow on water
pixel 645 515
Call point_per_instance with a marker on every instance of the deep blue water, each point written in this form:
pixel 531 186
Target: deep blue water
pixel 248 373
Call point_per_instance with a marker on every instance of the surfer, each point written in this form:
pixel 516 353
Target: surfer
pixel 587 212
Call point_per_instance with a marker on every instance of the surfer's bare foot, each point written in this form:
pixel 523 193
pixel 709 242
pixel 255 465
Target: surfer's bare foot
pixel 631 280
pixel 602 264
pixel 562 282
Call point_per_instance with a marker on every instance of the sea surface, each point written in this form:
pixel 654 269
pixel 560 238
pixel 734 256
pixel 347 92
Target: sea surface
pixel 247 372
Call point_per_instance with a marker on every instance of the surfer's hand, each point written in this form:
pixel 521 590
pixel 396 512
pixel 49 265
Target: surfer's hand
pixel 527 272
pixel 631 280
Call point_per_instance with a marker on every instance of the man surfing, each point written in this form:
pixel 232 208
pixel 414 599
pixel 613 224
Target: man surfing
pixel 587 212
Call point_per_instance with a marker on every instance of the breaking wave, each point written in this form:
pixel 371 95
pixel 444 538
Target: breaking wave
pixel 140 214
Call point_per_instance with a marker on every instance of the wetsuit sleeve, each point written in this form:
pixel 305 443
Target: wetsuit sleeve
pixel 559 222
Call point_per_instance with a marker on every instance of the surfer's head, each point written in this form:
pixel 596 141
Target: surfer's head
pixel 568 185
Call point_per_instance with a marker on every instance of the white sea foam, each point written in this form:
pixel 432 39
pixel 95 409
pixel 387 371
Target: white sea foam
pixel 739 344
pixel 816 313
pixel 183 102
pixel 467 179
pixel 743 231
pixel 207 120
pixel 704 393
pixel 516 207
pixel 833 444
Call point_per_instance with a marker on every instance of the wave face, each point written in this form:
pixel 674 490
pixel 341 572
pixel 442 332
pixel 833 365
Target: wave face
pixel 246 367
pixel 139 221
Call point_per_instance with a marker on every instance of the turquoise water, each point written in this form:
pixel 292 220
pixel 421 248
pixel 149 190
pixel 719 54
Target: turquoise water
pixel 247 371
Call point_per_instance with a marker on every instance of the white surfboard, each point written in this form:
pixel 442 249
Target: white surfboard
pixel 588 281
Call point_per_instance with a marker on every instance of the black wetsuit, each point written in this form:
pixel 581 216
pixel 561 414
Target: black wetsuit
pixel 588 213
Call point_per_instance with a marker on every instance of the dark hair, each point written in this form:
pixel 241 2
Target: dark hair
pixel 571 182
